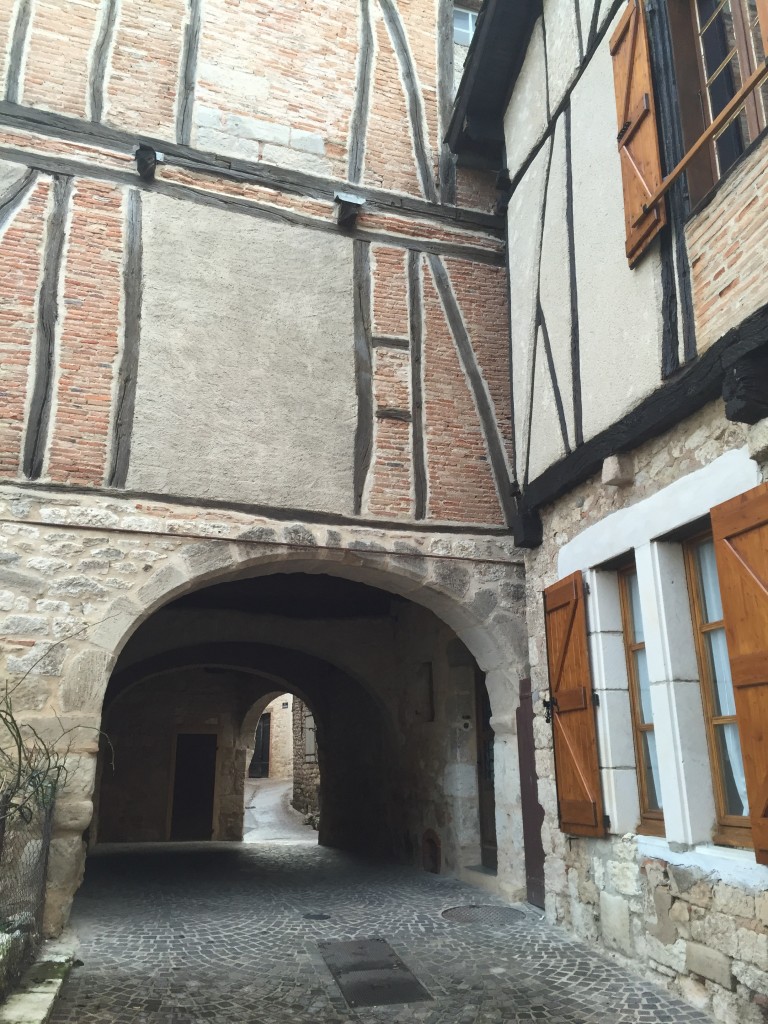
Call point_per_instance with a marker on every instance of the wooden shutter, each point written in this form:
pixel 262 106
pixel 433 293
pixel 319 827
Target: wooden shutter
pixel 638 137
pixel 580 804
pixel 740 529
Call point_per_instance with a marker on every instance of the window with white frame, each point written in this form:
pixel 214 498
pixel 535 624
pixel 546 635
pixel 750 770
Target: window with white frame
pixel 665 708
pixel 646 755
pixel 464 24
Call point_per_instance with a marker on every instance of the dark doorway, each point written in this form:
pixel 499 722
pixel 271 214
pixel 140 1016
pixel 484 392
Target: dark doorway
pixel 533 812
pixel 193 786
pixel 485 786
pixel 259 766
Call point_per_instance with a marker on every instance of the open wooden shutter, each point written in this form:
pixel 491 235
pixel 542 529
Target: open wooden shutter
pixel 740 529
pixel 579 799
pixel 638 137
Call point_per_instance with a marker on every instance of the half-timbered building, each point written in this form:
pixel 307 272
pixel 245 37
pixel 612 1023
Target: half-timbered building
pixel 630 140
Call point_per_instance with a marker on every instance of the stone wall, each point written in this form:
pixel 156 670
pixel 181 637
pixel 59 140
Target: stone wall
pixel 281 736
pixel 306 766
pixel 137 768
pixel 78 577
pixel 692 917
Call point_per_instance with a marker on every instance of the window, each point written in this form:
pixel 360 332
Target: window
pixel 464 24
pixel 718 53
pixel 728 49
pixel 651 814
pixel 730 788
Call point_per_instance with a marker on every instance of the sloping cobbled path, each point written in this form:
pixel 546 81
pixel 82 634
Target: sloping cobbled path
pixel 219 934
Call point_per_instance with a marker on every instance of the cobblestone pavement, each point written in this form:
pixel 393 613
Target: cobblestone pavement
pixel 228 933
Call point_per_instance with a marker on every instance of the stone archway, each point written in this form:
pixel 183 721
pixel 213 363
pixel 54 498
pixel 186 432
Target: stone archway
pixel 474 585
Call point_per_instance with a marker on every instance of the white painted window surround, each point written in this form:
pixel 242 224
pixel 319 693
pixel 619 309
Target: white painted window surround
pixel 689 810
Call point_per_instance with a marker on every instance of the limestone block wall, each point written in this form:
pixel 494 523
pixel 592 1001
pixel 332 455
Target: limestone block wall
pixel 79 575
pixel 306 766
pixel 689 914
pixel 280 711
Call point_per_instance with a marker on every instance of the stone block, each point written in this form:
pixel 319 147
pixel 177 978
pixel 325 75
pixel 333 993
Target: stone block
pixel 709 963
pixel 729 899
pixel 732 1008
pixel 85 681
pixel 307 142
pixel 718 931
pixel 757 440
pixel 72 815
pixel 695 993
pixel 614 923
pixel 164 584
pixel 618 471
pixel 751 977
pixel 753 947
pixel 624 877
pixel 761 908
pixel 672 956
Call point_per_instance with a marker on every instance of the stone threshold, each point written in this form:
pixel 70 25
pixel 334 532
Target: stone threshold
pixel 40 985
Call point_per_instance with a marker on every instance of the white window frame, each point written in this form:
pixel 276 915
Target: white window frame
pixel 470 27
pixel 635 531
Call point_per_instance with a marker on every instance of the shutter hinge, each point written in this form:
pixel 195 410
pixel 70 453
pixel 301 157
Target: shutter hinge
pixel 596 698
pixel 587 591
pixel 607 822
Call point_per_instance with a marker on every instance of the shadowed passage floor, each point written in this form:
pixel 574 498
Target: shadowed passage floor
pixel 241 934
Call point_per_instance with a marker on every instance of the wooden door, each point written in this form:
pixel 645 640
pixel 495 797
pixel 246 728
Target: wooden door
pixel 533 812
pixel 486 795
pixel 194 786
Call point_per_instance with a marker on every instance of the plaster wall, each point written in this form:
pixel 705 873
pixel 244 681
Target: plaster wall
pixel 220 345
pixel 586 329
pixel 651 901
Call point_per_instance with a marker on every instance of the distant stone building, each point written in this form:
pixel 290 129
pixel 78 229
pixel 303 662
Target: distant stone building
pixel 306 762
pixel 272 756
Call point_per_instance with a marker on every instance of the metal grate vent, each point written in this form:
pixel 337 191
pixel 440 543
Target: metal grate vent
pixel 481 914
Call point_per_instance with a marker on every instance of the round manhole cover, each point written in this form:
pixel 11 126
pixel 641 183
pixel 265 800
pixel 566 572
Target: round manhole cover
pixel 474 914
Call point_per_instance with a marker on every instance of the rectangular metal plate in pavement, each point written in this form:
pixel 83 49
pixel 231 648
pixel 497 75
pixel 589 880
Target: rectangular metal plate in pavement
pixel 370 973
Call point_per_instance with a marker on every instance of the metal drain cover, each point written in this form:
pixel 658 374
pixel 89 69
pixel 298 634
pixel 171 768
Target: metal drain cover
pixel 480 914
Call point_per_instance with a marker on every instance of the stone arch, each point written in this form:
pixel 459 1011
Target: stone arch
pixel 481 602
pixel 479 597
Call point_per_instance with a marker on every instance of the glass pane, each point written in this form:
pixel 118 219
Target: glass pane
pixel 638 636
pixel 732 768
pixel 720 668
pixel 644 686
pixel 731 143
pixel 712 607
pixel 462 27
pixel 705 9
pixel 718 40
pixel 651 768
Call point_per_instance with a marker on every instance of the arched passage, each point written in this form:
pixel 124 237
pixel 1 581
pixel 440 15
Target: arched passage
pixel 475 603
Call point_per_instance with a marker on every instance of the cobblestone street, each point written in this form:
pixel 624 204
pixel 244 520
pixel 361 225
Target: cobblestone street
pixel 228 934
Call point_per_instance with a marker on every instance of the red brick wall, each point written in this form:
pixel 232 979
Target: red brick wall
pixel 21 258
pixel 140 93
pixel 391 489
pixel 56 73
pixel 390 291
pixel 482 296
pixel 460 483
pixel 390 161
pixel 90 324
pixel 728 248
